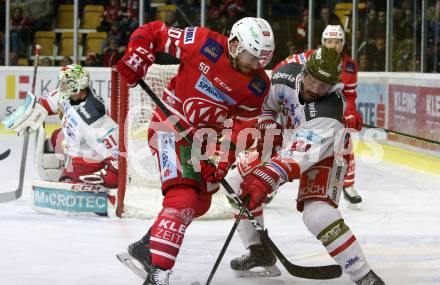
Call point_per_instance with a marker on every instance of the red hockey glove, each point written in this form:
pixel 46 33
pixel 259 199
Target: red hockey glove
pixel 258 184
pixel 352 118
pixel 133 66
pixel 273 131
pixel 211 173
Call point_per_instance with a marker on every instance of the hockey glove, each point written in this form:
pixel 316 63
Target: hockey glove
pixel 29 116
pixel 352 118
pixel 258 184
pixel 212 173
pixel 271 135
pixel 134 65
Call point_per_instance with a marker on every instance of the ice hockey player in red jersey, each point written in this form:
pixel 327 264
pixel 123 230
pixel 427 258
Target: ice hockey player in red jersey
pixel 219 79
pixel 84 149
pixel 305 99
pixel 334 36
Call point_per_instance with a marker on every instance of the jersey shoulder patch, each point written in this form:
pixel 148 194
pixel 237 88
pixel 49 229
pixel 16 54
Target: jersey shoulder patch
pixel 189 35
pixel 350 67
pixel 287 74
pixel 257 85
pixel 93 108
pixel 212 49
pixel 330 106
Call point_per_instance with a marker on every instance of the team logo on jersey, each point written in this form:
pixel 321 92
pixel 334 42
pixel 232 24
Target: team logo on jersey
pixel 189 36
pixel 201 112
pixel 257 86
pixel 206 87
pixel 212 50
pixel 350 67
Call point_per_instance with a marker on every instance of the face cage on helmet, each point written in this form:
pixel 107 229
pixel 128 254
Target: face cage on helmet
pixel 69 88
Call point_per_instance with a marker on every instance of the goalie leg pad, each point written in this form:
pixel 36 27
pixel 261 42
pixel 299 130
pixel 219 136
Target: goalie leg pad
pixel 49 165
pixel 326 223
pixel 58 197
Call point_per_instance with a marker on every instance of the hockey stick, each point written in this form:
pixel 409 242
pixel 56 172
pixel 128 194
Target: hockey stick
pixel 403 134
pixel 5 154
pixel 318 272
pixel 16 194
pixel 225 245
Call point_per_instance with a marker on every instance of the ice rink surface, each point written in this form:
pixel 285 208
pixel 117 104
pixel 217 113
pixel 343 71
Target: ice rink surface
pixel 398 227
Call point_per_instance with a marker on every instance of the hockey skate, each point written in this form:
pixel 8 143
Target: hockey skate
pixel 259 262
pixel 370 279
pixel 138 258
pixel 351 196
pixel 158 276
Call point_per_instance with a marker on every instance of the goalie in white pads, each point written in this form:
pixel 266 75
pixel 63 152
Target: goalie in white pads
pixel 84 150
pixel 304 99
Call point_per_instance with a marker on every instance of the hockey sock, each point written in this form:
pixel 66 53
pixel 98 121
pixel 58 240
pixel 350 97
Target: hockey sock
pixel 247 232
pixel 326 223
pixel 168 230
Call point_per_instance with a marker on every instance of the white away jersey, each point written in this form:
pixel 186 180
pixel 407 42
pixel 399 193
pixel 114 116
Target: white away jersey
pixel 316 127
pixel 88 131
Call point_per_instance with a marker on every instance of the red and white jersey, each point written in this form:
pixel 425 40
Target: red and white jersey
pixel 316 129
pixel 348 82
pixel 89 133
pixel 207 89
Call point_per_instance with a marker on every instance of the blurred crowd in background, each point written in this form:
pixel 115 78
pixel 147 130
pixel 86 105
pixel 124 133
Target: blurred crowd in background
pixel 117 19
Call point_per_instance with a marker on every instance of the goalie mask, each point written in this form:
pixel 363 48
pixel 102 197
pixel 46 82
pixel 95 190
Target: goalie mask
pixel 73 78
pixel 255 40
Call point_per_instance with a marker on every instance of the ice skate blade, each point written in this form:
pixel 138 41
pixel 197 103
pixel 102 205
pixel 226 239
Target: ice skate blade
pixel 268 271
pixel 355 207
pixel 132 264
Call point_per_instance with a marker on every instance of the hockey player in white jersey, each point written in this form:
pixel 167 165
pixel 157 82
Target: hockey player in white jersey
pixel 304 99
pixel 84 150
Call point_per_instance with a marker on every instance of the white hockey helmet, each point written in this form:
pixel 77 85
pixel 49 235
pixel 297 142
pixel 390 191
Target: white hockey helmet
pixel 255 36
pixel 73 78
pixel 333 32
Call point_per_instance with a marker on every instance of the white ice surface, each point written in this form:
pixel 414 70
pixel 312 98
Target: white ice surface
pixel 398 227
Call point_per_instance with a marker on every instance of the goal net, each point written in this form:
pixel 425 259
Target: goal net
pixel 139 192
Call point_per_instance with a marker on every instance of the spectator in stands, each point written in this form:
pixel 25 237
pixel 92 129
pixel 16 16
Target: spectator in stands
pixel 407 25
pixel 117 33
pixel 301 32
pixel 41 13
pixel 91 60
pixel 46 61
pixel 364 63
pixel 112 11
pixel 112 53
pixel 379 55
pixel 189 13
pixel 129 15
pixel 20 26
pixel 326 18
pixel 66 61
pixel 13 59
pixel 381 23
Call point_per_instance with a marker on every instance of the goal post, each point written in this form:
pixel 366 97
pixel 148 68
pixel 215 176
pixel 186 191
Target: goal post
pixel 139 189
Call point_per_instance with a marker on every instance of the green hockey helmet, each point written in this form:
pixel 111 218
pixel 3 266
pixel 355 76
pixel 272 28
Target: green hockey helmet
pixel 73 78
pixel 325 65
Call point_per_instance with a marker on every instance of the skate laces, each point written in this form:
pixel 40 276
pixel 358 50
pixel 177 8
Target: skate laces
pixel 162 277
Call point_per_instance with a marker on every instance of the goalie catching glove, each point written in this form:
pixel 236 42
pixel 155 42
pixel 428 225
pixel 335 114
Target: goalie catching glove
pixel 29 116
pixel 257 185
